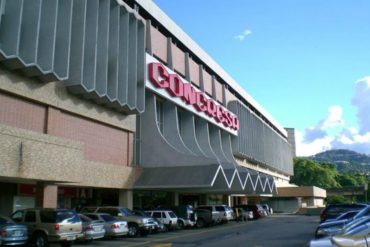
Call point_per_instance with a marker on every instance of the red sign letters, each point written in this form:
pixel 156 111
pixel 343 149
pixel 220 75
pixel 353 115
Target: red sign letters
pixel 161 78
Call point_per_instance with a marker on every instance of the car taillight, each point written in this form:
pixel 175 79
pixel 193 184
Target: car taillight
pixel 323 216
pixel 3 233
pixel 56 227
pixel 115 226
pixel 89 228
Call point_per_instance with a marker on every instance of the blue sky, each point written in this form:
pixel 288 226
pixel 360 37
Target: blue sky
pixel 304 61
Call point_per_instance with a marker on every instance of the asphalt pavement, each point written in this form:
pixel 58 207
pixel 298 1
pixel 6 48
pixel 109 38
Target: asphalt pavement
pixel 275 230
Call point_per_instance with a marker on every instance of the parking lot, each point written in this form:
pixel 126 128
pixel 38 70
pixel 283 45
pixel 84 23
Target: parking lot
pixel 275 230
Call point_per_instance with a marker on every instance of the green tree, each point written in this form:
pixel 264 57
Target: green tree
pixel 311 173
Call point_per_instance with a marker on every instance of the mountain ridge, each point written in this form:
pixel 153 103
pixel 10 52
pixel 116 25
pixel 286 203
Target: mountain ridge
pixel 346 161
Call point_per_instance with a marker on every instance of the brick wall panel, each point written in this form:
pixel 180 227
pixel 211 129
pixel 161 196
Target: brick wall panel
pixel 102 143
pixel 207 78
pixel 159 44
pixel 21 113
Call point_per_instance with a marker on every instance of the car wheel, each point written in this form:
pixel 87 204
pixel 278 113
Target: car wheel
pixel 66 244
pixel 41 240
pixel 133 230
pixel 180 224
pixel 200 223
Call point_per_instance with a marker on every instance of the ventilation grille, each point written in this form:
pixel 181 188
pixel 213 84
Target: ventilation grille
pixel 95 46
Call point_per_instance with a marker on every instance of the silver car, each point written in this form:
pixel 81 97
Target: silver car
pixel 91 229
pixel 358 228
pixel 12 233
pixel 113 227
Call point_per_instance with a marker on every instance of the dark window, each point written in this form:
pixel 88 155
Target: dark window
pixel 172 215
pixel 48 216
pixel 107 217
pixel 92 216
pixel 88 210
pixel 111 211
pixel 157 215
pixel 67 216
pixel 160 114
pixel 4 220
pixel 220 208
pixel 126 212
pixel 18 216
pixel 84 218
pixel 30 216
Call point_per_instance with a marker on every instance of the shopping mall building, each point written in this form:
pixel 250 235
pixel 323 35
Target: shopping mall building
pixel 109 102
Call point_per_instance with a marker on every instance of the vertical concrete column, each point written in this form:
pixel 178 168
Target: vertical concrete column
pixel 46 195
pixel 176 198
pixel 53 119
pixel 230 201
pixel 125 199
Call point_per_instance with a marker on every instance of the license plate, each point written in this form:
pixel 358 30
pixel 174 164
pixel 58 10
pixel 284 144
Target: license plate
pixel 71 238
pixel 17 233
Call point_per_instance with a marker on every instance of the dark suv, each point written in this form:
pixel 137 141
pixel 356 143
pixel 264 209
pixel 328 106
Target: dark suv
pixel 332 211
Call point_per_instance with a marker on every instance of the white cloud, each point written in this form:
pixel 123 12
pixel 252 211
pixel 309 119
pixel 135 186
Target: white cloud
pixel 319 138
pixel 361 100
pixel 244 34
pixel 318 145
pixel 319 131
pixel 334 119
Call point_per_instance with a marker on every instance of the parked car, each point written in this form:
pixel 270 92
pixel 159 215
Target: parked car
pixel 216 215
pixel 50 225
pixel 358 236
pixel 242 214
pixel 12 233
pixel 113 227
pixel 333 227
pixel 167 217
pixel 345 236
pixel 267 208
pixel 257 210
pixel 137 225
pixel 332 211
pixel 91 229
pixel 343 216
pixel 186 216
pixel 227 213
pixel 159 226
pixel 204 218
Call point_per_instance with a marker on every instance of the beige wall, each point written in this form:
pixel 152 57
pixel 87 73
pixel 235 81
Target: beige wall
pixel 55 94
pixel 303 191
pixel 26 154
pixel 33 150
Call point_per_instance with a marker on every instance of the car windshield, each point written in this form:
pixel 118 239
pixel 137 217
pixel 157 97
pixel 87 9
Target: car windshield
pixel 364 212
pixel 347 215
pixel 127 212
pixel 172 215
pixel 140 213
pixel 67 216
pixel 355 223
pixel 107 217
pixel 5 220
pixel 360 230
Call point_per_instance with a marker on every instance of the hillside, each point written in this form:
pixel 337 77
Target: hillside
pixel 345 160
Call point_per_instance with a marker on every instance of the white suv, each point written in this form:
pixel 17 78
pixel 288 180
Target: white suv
pixel 167 217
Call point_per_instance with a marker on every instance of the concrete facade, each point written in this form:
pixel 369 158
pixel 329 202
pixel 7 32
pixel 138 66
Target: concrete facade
pixel 79 124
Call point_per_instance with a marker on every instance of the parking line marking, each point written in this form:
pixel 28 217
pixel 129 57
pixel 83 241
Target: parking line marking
pixel 185 235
